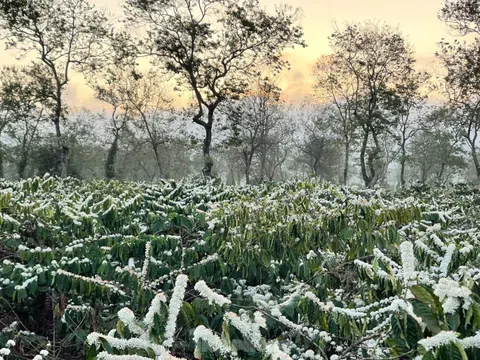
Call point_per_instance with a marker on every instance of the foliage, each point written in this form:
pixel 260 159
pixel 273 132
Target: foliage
pixel 295 270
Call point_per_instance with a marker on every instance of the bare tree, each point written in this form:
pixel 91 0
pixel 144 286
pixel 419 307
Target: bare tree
pixel 65 35
pixel 254 119
pixel 214 47
pixel 336 84
pixel 405 102
pixel 376 57
pixel 436 152
pixel 153 112
pixel 320 146
pixel 462 87
pixel 110 89
pixel 23 105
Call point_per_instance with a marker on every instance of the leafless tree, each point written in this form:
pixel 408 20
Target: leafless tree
pixel 66 35
pixel 374 58
pixel 214 47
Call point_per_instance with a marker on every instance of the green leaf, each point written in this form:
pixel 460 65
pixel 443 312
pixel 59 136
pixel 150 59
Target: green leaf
pixel 429 318
pixel 461 350
pixel 397 330
pixel 413 332
pixel 375 265
pixel 428 356
pixel 346 233
pixel 121 328
pixel 421 294
pixel 476 315
pixel 91 353
pixel 106 346
pixel 453 321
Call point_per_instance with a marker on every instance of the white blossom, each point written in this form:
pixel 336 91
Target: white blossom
pixel 213 340
pixel 442 338
pixel 450 292
pixel 446 260
pixel 273 350
pixel 250 330
pixel 408 261
pixel 176 303
pixel 210 295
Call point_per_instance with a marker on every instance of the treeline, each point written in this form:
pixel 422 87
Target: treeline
pixel 208 101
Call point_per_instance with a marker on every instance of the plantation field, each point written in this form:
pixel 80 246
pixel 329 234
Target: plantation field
pixel 118 270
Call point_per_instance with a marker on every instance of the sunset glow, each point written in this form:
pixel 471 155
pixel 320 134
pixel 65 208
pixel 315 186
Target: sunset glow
pixel 417 20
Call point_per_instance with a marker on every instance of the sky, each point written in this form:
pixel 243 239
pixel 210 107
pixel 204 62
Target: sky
pixel 417 20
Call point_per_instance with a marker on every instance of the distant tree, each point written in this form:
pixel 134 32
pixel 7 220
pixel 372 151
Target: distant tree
pixel 66 35
pixel 335 83
pixel 405 102
pixel 320 147
pixel 462 64
pixel 214 48
pixel 254 119
pixel 109 88
pixel 9 102
pixel 436 156
pixel 24 104
pixel 276 150
pixel 437 153
pixel 376 57
pixel 141 99
pixel 152 110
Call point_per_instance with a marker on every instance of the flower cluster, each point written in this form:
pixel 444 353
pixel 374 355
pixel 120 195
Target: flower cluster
pixel 210 295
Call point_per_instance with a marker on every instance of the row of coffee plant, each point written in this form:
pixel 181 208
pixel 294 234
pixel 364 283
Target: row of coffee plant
pixel 304 270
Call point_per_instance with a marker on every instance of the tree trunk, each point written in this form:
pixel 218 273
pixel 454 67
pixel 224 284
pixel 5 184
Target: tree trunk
pixel 345 166
pixel 371 166
pixel 475 160
pixel 1 164
pixel 231 177
pixel 207 142
pixel 157 159
pixel 111 159
pixel 62 155
pixel 263 163
pixel 22 165
pixel 2 174
pixel 440 174
pixel 315 167
pixel 366 179
pixel 402 166
pixel 247 157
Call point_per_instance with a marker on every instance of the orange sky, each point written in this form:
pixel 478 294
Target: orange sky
pixel 417 19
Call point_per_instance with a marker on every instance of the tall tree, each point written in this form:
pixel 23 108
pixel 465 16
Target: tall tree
pixel 405 102
pixel 24 103
pixel 10 103
pixel 320 145
pixel 110 89
pixel 66 35
pixel 152 111
pixel 436 153
pixel 376 57
pixel 335 83
pixel 214 48
pixel 254 119
pixel 462 64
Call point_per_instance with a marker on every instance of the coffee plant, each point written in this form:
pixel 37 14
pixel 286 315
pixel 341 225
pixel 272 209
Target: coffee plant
pixel 305 270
